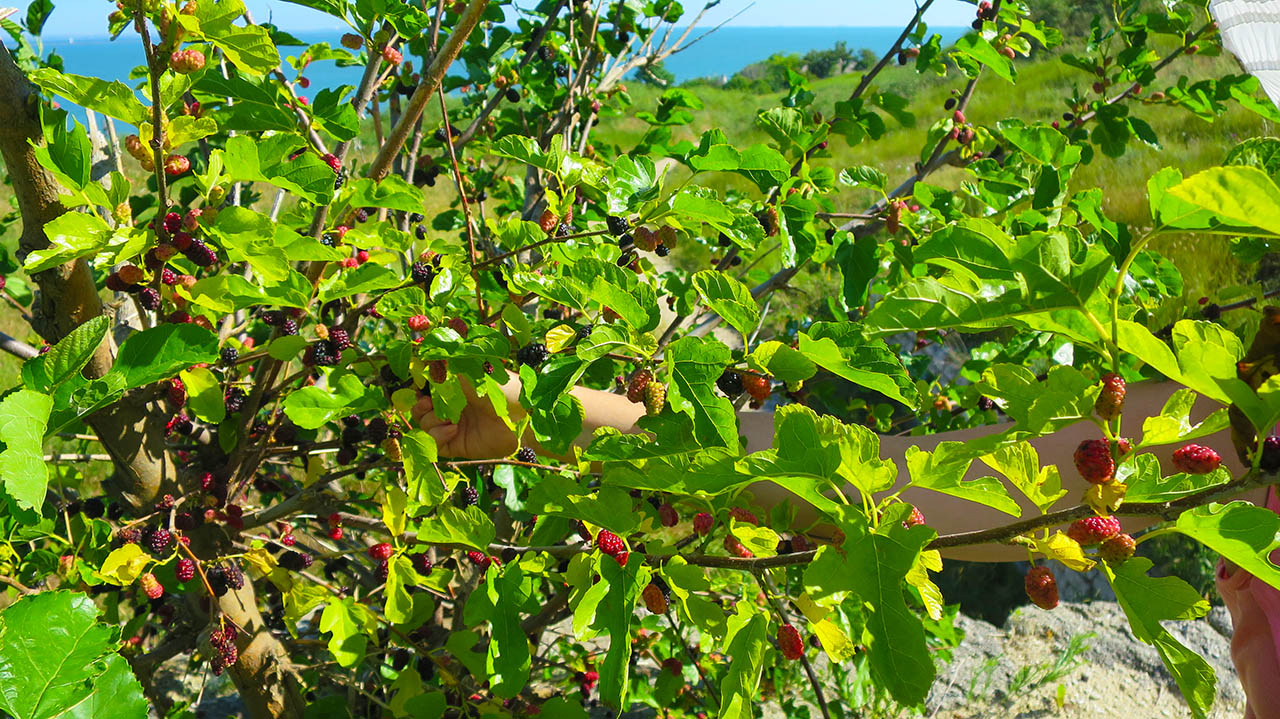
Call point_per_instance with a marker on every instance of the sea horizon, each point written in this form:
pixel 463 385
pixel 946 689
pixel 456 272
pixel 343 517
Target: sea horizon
pixel 717 55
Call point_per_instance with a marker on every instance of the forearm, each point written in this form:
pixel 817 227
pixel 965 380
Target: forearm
pixel 948 515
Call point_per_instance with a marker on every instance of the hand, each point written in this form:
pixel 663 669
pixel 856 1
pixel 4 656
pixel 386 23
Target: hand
pixel 478 434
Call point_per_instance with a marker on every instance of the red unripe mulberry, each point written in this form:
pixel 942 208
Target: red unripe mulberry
pixel 1042 587
pixel 1196 459
pixel 1111 400
pixel 1093 530
pixel 1094 462
pixel 789 642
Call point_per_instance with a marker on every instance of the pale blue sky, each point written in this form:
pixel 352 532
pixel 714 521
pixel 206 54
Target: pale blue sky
pixel 88 17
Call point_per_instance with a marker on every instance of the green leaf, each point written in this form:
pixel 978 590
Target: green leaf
pixel 307 176
pixel 23 472
pixel 160 352
pixel 1020 463
pixel 451 525
pixel 392 192
pixel 875 567
pixel 748 641
pixel 66 359
pixel 204 394
pixel 1241 196
pixel 109 98
pixel 58 660
pixel 1173 424
pixel 838 348
pixel 124 565
pixel 311 407
pixel 559 496
pixel 419 450
pixel 367 278
pixel 943 470
pixel 977 48
pixel 1243 534
pixel 615 615
pixel 864 176
pixel 72 235
pixel 728 298
pixel 509 660
pixel 350 625
pixel 694 364
pixel 1148 601
pixel 782 361
pixel 399 605
pixel 248 47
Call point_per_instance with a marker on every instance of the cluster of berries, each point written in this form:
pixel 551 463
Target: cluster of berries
pixel 225 652
pixel 733 383
pixel 642 388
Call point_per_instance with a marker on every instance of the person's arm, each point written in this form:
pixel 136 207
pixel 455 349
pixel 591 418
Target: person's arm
pixel 944 513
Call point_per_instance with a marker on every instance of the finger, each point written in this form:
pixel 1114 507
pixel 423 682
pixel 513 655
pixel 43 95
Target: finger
pixel 443 434
pixel 421 409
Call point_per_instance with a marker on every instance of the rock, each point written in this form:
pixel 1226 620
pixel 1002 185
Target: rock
pixel 982 680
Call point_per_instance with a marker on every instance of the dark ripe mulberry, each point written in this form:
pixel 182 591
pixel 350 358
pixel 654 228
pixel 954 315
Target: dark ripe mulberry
pixel 179 424
pixel 730 383
pixel 185 570
pixel 467 496
pixel 533 354
pixel 288 327
pixel 584 332
pixel 527 455
pixel 200 254
pixel 160 540
pixel 345 455
pixel 340 339
pixel 377 429
pixel 353 434
pixel 149 298
pixel 235 577
pixel 229 355
pixel 295 561
pixel 217 577
pixel 626 258
pixel 986 404
pixel 419 231
pixel 323 353
pixel 94 507
pixel 234 400
pixel 617 225
pixel 329 239
pixel 421 563
pixel 662 251
pixel 1270 454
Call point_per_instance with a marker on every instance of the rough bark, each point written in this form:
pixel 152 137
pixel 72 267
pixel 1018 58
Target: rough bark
pixel 67 296
pixel 130 431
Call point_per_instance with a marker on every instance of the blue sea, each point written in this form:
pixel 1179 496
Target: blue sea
pixel 719 54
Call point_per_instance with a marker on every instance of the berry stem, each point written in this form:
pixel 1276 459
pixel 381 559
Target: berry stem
pixel 770 594
pixel 688 651
pixel 462 197
pixel 182 547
